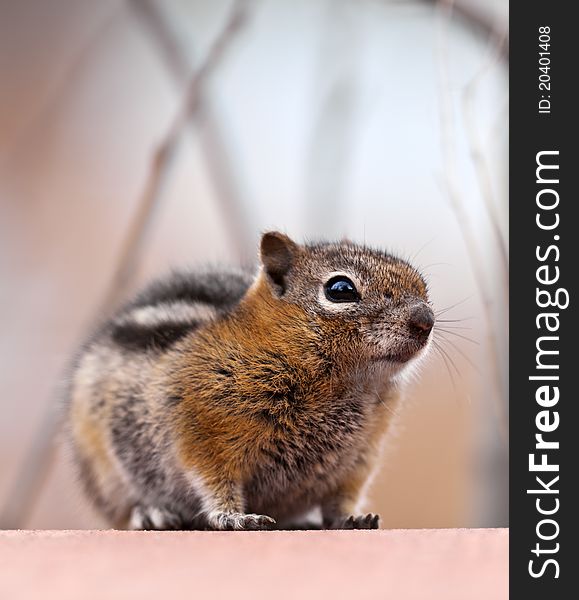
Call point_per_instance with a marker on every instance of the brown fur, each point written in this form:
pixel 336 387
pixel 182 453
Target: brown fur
pixel 270 407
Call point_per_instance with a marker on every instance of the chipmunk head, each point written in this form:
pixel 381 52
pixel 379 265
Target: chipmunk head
pixel 375 303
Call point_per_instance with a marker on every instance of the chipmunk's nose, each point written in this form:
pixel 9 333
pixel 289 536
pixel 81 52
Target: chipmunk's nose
pixel 421 318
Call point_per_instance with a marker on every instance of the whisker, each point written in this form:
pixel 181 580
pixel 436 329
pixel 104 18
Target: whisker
pixel 443 350
pixel 445 310
pixel 386 405
pixel 430 265
pixel 415 256
pixel 446 364
pixel 454 320
pixel 464 355
pixel 462 337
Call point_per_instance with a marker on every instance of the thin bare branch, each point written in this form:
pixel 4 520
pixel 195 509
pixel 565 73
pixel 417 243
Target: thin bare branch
pixel 334 127
pixel 39 460
pixel 59 90
pixel 451 186
pixel 478 156
pixel 165 152
pixel 472 15
pixel 217 153
pixel 33 473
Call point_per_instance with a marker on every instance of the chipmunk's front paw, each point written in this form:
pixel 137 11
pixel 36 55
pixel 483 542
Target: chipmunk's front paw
pixel 153 518
pixel 369 521
pixel 223 521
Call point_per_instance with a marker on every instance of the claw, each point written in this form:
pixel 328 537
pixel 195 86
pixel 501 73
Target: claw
pixel 223 521
pixel 369 521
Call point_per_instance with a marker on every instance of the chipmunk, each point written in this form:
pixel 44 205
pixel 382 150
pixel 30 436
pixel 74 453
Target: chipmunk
pixel 223 400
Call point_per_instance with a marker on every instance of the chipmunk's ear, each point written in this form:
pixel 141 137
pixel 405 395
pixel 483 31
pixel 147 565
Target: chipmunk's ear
pixel 278 252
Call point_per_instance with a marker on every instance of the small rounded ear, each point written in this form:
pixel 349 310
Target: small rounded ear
pixel 277 256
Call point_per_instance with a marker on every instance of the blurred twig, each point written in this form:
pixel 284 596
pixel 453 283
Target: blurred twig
pixel 39 459
pixel 60 88
pixel 477 154
pixel 219 162
pixel 469 238
pixel 33 473
pixel 334 128
pixel 166 150
pixel 476 18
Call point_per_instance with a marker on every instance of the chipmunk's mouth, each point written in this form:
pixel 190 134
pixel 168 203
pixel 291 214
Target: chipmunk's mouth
pixel 399 357
pixel 404 354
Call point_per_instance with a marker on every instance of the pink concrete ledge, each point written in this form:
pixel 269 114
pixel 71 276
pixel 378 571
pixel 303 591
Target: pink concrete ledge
pixel 406 564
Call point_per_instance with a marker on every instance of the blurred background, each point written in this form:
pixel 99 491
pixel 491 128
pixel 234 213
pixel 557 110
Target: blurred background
pixel 142 135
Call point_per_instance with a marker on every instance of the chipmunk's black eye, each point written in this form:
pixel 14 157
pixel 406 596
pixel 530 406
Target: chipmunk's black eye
pixel 341 289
